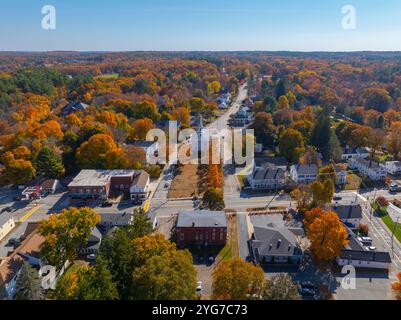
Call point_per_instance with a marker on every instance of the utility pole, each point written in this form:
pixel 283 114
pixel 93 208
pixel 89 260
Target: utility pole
pixel 392 236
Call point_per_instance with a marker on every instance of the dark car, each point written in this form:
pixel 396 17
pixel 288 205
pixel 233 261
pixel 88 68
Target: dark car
pixel 7 209
pixel 337 198
pixel 106 204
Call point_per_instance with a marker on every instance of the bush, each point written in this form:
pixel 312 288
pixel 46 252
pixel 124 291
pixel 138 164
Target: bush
pixel 364 229
pixel 382 202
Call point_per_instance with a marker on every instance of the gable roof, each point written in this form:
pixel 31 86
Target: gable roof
pixel 73 107
pixel 310 169
pixel 277 161
pixel 268 173
pixel 202 219
pixel 272 241
pixel 141 179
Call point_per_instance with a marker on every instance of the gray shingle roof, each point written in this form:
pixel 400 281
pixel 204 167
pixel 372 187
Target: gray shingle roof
pixel 268 173
pixel 201 218
pixel 362 255
pixel 303 169
pixel 271 241
pixel 352 211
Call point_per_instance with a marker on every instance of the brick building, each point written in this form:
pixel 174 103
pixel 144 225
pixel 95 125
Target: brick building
pixel 201 228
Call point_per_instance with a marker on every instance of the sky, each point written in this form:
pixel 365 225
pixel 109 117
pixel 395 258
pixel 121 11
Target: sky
pixel 201 25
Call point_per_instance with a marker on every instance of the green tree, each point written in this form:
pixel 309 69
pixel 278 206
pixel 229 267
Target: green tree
pixel 49 163
pixel 28 285
pixel 236 279
pixel 291 145
pixel 87 283
pixel 281 287
pixel 281 88
pixel 64 233
pixel 213 199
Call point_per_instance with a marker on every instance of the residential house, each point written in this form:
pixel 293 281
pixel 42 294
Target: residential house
pixel 272 244
pixel 279 162
pixel 50 186
pixel 201 228
pixel 7 223
pixel 368 168
pixel 350 215
pixel 109 221
pixel 94 241
pixel 73 107
pixel 341 173
pixel 242 117
pixel 267 178
pixel 139 190
pixel 350 152
pixel 392 167
pixel 304 173
pixel 10 266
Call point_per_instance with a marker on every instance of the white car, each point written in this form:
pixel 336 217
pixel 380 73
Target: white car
pixel 371 248
pixel 91 256
pixel 199 288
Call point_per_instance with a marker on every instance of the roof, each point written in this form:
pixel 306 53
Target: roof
pixel 362 255
pixel 268 173
pixel 49 184
pixel 341 167
pixel 10 266
pixel 141 179
pixel 73 107
pixel 5 217
pixel 201 219
pixel 144 143
pixel 369 164
pixel 351 150
pixel 270 241
pixel 395 163
pixel 94 239
pixel 94 178
pixel 303 169
pixel 277 161
pixel 352 211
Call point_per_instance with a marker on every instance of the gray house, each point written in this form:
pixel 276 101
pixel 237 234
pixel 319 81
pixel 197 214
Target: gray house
pixel 272 244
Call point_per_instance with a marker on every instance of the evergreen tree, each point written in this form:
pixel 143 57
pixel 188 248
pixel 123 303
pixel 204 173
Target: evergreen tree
pixel 49 164
pixel 281 88
pixel 28 286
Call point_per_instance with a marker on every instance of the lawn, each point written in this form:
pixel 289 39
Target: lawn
pixel 107 76
pixel 185 183
pixel 388 221
pixel 231 248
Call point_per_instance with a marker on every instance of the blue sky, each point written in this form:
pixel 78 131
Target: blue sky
pixel 118 25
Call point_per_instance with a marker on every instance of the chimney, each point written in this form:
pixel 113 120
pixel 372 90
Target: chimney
pixel 193 224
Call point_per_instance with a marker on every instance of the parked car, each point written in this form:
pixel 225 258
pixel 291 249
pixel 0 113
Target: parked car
pixel 15 241
pixel 366 241
pixel 371 248
pixel 337 198
pixel 210 259
pixel 394 188
pixel 199 288
pixel 6 209
pixel 91 256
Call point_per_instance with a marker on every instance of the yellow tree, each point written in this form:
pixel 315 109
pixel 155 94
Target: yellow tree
pixel 140 128
pixel 322 192
pixel 236 279
pixel 64 233
pixel 17 171
pixel 394 138
pixel 328 236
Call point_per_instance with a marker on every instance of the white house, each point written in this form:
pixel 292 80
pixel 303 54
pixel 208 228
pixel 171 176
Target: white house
pixel 267 178
pixel 139 190
pixel 7 223
pixel 301 173
pixel 392 167
pixel 350 215
pixel 368 168
pixel 364 259
pixel 341 173
pixel 349 153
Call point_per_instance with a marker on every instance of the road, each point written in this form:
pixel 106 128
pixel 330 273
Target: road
pixel 160 204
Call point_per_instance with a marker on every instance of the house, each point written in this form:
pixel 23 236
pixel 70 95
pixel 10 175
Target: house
pixel 368 168
pixel 341 173
pixel 263 161
pixel 392 167
pixel 349 153
pixel 365 259
pixel 139 190
pixel 7 223
pixel 242 117
pixel 267 178
pixel 94 241
pixel 50 186
pixel 272 244
pixel 10 266
pixel 304 173
pixel 97 184
pixel 151 148
pixel 223 106
pixel 201 228
pixel 73 107
pixel 109 221
pixel 350 215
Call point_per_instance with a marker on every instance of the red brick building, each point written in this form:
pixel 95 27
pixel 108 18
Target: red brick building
pixel 201 228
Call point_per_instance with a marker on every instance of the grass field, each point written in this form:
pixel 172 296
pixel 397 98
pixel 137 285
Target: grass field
pixel 388 221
